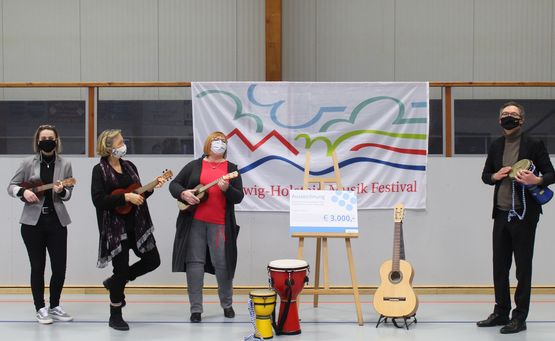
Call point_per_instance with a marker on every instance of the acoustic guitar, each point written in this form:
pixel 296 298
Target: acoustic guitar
pixel 137 189
pixel 38 187
pixel 395 296
pixel 201 192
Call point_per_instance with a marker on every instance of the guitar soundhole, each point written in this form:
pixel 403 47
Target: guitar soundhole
pixel 395 276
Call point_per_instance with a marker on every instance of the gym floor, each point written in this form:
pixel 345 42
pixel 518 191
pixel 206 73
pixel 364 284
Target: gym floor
pixel 166 317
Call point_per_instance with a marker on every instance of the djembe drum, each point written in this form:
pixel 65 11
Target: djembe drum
pixel 287 278
pixel 541 195
pixel 264 302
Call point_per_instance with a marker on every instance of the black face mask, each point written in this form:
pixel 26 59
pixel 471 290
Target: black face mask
pixel 509 122
pixel 47 145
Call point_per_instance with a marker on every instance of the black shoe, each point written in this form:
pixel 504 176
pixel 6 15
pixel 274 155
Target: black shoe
pixel 116 320
pixel 493 320
pixel 514 326
pixel 229 312
pixel 195 318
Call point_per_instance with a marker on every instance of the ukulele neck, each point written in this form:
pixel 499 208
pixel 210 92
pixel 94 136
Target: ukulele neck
pixel 207 186
pixel 148 187
pixel 43 188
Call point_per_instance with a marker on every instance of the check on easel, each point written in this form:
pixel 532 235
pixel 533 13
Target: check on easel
pixel 323 211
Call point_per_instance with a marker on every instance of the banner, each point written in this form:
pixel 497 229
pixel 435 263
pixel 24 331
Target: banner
pixel 379 132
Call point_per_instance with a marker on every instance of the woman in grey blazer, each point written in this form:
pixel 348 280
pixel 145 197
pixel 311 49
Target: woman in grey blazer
pixel 44 219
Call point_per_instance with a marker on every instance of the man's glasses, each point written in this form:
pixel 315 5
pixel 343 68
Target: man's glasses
pixel 511 114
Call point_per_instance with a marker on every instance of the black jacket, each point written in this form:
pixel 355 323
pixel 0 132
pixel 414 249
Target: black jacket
pixel 188 178
pixel 531 149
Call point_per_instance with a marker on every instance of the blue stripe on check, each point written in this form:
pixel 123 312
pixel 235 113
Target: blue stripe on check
pixel 293 229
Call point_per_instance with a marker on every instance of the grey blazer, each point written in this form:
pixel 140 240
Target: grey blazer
pixel 29 171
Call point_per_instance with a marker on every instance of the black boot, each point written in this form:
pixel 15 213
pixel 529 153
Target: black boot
pixel 107 283
pixel 116 320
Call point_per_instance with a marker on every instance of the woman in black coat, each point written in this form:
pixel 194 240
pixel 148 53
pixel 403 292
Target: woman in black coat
pixel 206 236
pixel 121 233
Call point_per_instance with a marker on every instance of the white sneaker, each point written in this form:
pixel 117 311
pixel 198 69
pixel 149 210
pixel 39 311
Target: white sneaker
pixel 57 313
pixel 43 317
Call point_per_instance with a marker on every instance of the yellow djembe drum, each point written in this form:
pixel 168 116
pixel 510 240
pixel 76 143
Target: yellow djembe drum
pixel 264 302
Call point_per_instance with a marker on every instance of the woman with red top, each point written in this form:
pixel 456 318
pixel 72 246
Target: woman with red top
pixel 206 237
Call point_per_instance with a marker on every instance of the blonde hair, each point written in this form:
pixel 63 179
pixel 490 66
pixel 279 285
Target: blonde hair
pixel 215 135
pixel 105 141
pixel 36 138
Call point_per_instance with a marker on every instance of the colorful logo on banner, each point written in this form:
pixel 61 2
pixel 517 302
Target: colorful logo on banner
pixel 378 131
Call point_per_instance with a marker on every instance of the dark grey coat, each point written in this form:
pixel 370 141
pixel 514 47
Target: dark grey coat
pixel 188 178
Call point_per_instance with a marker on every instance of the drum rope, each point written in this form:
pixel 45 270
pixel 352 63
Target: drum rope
pixel 513 213
pixel 257 335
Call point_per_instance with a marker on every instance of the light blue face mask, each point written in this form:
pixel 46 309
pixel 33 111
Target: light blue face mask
pixel 218 147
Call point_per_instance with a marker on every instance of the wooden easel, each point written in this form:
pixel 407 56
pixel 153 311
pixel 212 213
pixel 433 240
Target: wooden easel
pixel 322 244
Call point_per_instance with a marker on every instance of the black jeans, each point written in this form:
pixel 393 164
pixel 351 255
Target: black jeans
pixel 49 235
pixel 514 237
pixel 123 272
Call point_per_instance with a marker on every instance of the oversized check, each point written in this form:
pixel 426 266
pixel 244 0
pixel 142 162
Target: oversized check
pixel 315 211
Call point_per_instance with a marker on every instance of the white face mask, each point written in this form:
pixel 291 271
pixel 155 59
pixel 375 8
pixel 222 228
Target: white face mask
pixel 119 152
pixel 218 147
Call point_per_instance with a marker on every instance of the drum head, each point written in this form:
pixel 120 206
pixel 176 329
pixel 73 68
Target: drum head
pixel 520 165
pixel 262 293
pixel 288 264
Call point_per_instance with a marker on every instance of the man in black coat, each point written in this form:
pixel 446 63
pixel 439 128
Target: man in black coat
pixel 515 214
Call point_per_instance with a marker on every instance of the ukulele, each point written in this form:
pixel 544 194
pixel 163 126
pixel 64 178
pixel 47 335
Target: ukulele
pixel 201 192
pixel 137 189
pixel 38 187
pixel 395 296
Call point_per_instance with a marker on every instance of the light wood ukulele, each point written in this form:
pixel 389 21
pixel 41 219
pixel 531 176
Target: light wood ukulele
pixel 395 296
pixel 201 192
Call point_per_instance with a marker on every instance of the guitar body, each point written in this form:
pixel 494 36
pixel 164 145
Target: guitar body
pixel 125 209
pixel 32 187
pixel 201 195
pixel 395 296
pixel 136 188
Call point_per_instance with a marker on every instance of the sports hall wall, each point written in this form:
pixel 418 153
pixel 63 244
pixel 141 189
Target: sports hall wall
pixel 323 40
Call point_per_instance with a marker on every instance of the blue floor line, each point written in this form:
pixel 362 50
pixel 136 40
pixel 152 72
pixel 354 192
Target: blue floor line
pixel 248 322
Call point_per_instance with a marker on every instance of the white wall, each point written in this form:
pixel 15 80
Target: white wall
pixel 425 40
pixel 128 40
pixel 449 243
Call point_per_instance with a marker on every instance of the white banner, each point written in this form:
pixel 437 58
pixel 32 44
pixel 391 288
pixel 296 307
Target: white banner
pixel 379 132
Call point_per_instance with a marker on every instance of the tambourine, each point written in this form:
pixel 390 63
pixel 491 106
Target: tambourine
pixel 540 194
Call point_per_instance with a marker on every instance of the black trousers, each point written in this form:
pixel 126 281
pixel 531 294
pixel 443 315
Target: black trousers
pixel 49 235
pixel 513 238
pixel 123 272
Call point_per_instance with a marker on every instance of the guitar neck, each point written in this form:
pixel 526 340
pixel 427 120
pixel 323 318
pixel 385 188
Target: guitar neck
pixel 397 246
pixel 42 188
pixel 207 186
pixel 147 187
